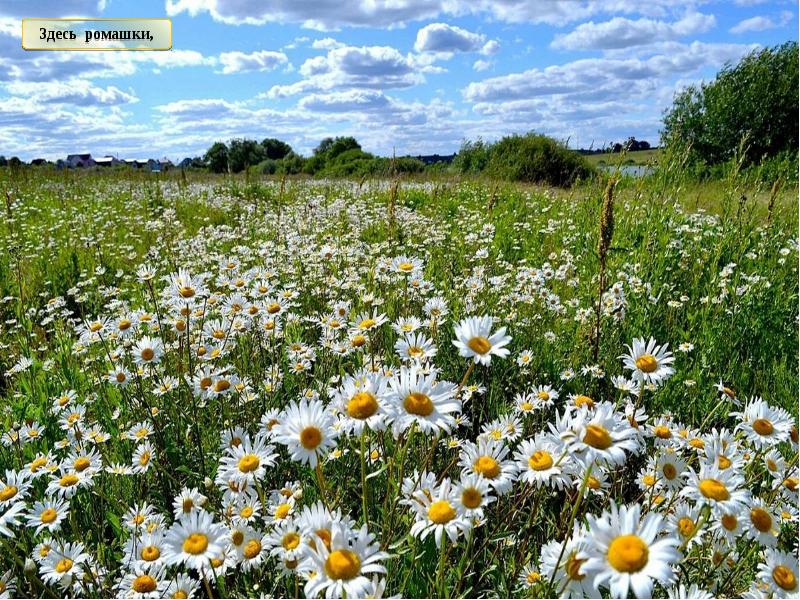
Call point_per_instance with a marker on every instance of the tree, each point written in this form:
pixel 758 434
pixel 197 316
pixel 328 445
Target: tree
pixel 753 106
pixel 3 161
pixel 216 158
pixel 275 149
pixel 243 152
pixel 14 162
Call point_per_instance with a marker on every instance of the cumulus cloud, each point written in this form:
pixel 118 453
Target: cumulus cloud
pixel 620 32
pixel 78 92
pixel 448 39
pixel 327 43
pixel 240 62
pixel 593 74
pixel 377 67
pixel 760 23
pixel 481 65
pixel 326 15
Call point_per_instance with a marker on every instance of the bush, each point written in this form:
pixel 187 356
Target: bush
pixel 537 159
pixel 531 158
pixel 752 106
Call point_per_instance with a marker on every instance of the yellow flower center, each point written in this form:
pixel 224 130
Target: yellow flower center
pixel 282 510
pixel 763 427
pixel 526 406
pixel 572 568
pixel 584 401
pixel 417 403
pixel 249 463
pixel 597 436
pixel 405 266
pixel 628 553
pixel 593 483
pixel 541 460
pixel 646 363
pixel 64 565
pixel 685 526
pixel 533 577
pixel 662 432
pixel 251 549
pixel 68 480
pixel 649 480
pixel 290 541
pixel 479 344
pixel 237 537
pixel 486 466
pixel 342 564
pixel 148 354
pixel 144 458
pixel 441 512
pixel 186 292
pixel 195 543
pixel 180 595
pixel 150 553
pixel 714 489
pixel 784 577
pixel 367 323
pixel 246 512
pixel 362 405
pixel 274 308
pixel 144 584
pixel 791 483
pixel 729 522
pixel 471 497
pixel 48 515
pixel 724 462
pixel 761 519
pixel 8 492
pixel 38 463
pixel 669 470
pixel 697 443
pixel 310 437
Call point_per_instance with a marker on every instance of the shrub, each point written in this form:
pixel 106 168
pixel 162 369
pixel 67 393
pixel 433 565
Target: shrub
pixel 752 106
pixel 537 159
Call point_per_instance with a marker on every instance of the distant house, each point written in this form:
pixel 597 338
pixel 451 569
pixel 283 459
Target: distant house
pixel 107 161
pixel 163 164
pixel 39 161
pixel 80 161
pixel 137 163
pixel 185 163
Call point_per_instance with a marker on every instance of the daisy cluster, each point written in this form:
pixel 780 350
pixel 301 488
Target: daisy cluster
pixel 303 414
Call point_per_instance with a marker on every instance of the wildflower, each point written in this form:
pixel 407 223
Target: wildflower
pixel 474 340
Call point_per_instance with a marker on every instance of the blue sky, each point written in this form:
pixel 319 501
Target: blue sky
pixel 413 76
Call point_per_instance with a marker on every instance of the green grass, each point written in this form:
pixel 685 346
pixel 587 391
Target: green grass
pixel 637 157
pixel 79 238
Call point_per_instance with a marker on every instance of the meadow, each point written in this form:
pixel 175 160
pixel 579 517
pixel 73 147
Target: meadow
pixel 220 386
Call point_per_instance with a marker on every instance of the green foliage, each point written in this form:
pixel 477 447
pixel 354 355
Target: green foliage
pixel 275 149
pixel 216 158
pixel 752 106
pixel 530 158
pixel 473 157
pixel 243 153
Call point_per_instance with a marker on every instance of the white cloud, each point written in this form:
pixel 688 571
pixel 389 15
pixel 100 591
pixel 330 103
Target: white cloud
pixel 327 43
pixel 52 8
pixel 240 62
pixel 444 38
pixel 761 23
pixel 77 91
pixel 481 65
pixel 326 15
pixel 377 67
pixel 620 32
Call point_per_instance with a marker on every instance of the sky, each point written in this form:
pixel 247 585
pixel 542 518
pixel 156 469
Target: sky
pixel 403 76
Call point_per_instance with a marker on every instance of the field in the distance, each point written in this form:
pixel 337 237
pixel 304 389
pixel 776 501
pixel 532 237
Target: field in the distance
pixel 228 387
pixel 637 157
